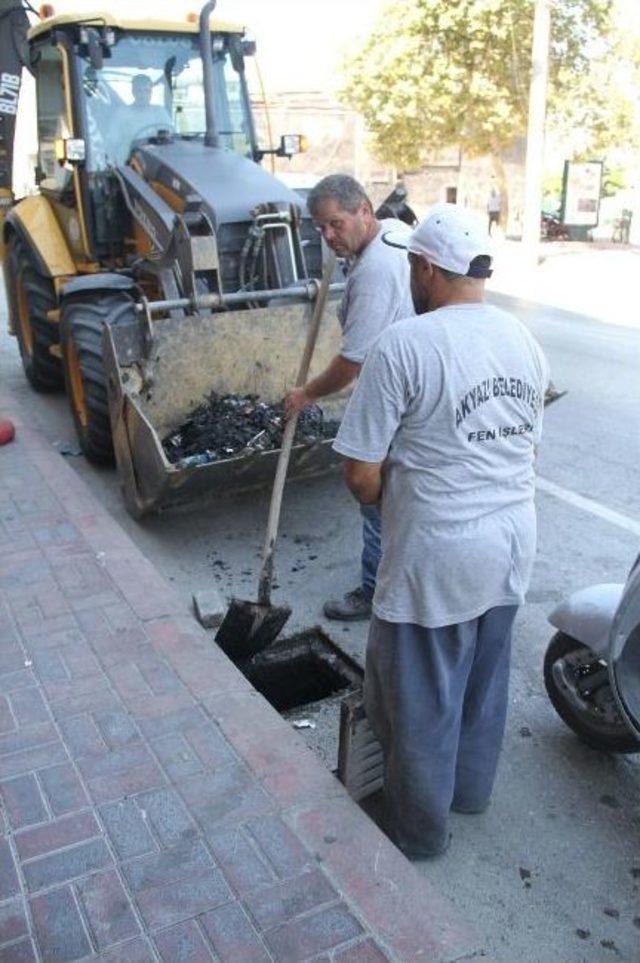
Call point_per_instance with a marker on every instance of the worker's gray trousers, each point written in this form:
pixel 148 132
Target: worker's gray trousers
pixel 437 701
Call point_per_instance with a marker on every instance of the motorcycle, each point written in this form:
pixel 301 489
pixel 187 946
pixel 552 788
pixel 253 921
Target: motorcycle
pixel 552 228
pixel 395 205
pixel 592 664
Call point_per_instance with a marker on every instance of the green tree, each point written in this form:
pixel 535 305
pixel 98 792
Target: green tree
pixel 599 114
pixel 437 73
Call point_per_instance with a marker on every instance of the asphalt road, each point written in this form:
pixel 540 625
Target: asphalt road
pixel 551 873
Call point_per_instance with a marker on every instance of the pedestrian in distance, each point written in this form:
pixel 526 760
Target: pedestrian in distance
pixel 377 294
pixel 494 207
pixel 441 431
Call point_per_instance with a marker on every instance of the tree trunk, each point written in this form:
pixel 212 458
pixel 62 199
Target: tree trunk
pixel 503 187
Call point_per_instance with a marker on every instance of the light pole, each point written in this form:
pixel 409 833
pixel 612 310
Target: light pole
pixel 535 128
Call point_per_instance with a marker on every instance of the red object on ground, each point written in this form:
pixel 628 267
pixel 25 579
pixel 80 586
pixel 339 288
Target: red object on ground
pixel 7 431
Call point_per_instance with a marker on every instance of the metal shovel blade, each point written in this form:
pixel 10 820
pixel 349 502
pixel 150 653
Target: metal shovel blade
pixel 249 627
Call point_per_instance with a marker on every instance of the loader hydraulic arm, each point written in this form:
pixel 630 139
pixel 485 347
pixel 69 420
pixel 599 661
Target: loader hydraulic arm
pixel 167 234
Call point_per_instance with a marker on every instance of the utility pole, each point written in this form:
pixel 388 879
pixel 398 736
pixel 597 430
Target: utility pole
pixel 535 128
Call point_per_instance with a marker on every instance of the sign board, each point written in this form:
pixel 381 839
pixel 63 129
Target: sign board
pixel 581 188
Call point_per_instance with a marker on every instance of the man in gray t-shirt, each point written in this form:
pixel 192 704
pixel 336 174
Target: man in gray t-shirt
pixel 377 294
pixel 442 428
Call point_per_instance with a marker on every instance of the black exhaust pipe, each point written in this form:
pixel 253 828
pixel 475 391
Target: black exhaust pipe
pixel 211 137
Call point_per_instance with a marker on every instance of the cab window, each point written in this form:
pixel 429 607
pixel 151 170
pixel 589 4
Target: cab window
pixel 53 124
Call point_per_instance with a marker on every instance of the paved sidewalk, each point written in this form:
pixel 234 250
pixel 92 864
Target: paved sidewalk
pixel 154 806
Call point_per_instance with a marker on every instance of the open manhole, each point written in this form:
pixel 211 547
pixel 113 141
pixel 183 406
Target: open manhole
pixel 302 670
pixel 309 676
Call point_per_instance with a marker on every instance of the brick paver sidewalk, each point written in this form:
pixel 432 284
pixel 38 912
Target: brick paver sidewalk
pixel 154 806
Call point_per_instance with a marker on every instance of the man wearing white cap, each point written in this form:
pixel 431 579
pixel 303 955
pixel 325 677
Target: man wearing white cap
pixel 441 429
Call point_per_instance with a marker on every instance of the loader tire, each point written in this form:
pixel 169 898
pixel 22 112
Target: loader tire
pixel 83 318
pixel 31 296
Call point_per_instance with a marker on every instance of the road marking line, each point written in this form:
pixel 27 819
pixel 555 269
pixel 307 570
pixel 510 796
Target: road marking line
pixel 588 505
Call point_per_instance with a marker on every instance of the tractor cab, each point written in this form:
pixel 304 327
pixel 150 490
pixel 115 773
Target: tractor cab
pixel 151 85
pixel 105 86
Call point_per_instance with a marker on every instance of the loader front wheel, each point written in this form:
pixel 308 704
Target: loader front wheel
pixel 31 297
pixel 83 318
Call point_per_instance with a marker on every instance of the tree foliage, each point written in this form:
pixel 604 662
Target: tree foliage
pixel 437 73
pixel 600 114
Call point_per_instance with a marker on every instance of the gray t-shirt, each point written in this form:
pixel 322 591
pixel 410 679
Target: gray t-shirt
pixel 453 401
pixel 377 294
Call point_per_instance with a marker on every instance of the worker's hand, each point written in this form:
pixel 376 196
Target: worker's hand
pixel 295 401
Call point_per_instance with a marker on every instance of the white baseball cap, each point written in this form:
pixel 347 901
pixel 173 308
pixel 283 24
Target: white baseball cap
pixel 451 237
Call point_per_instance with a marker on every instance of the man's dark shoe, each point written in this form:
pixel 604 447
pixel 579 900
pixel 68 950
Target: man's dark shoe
pixel 468 810
pixel 354 607
pixel 431 853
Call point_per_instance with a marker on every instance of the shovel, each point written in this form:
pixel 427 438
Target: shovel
pixel 250 626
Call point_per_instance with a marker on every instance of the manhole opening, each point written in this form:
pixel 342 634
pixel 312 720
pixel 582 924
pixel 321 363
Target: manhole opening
pixel 301 670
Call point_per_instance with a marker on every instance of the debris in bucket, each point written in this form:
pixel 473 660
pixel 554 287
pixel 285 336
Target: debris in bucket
pixel 225 426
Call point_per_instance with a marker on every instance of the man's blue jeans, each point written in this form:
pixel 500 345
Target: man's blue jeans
pixel 370 548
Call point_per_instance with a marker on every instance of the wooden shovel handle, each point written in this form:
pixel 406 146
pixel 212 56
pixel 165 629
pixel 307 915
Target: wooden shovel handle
pixel 266 572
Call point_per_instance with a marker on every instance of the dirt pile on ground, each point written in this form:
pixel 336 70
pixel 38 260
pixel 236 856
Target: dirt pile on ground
pixel 227 426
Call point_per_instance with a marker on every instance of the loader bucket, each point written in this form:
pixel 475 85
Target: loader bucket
pixel 158 373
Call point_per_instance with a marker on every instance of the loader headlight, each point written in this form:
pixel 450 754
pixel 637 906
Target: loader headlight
pixel 75 149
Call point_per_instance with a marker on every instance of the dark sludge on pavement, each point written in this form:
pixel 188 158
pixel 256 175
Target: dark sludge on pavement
pixel 302 670
pixel 225 426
